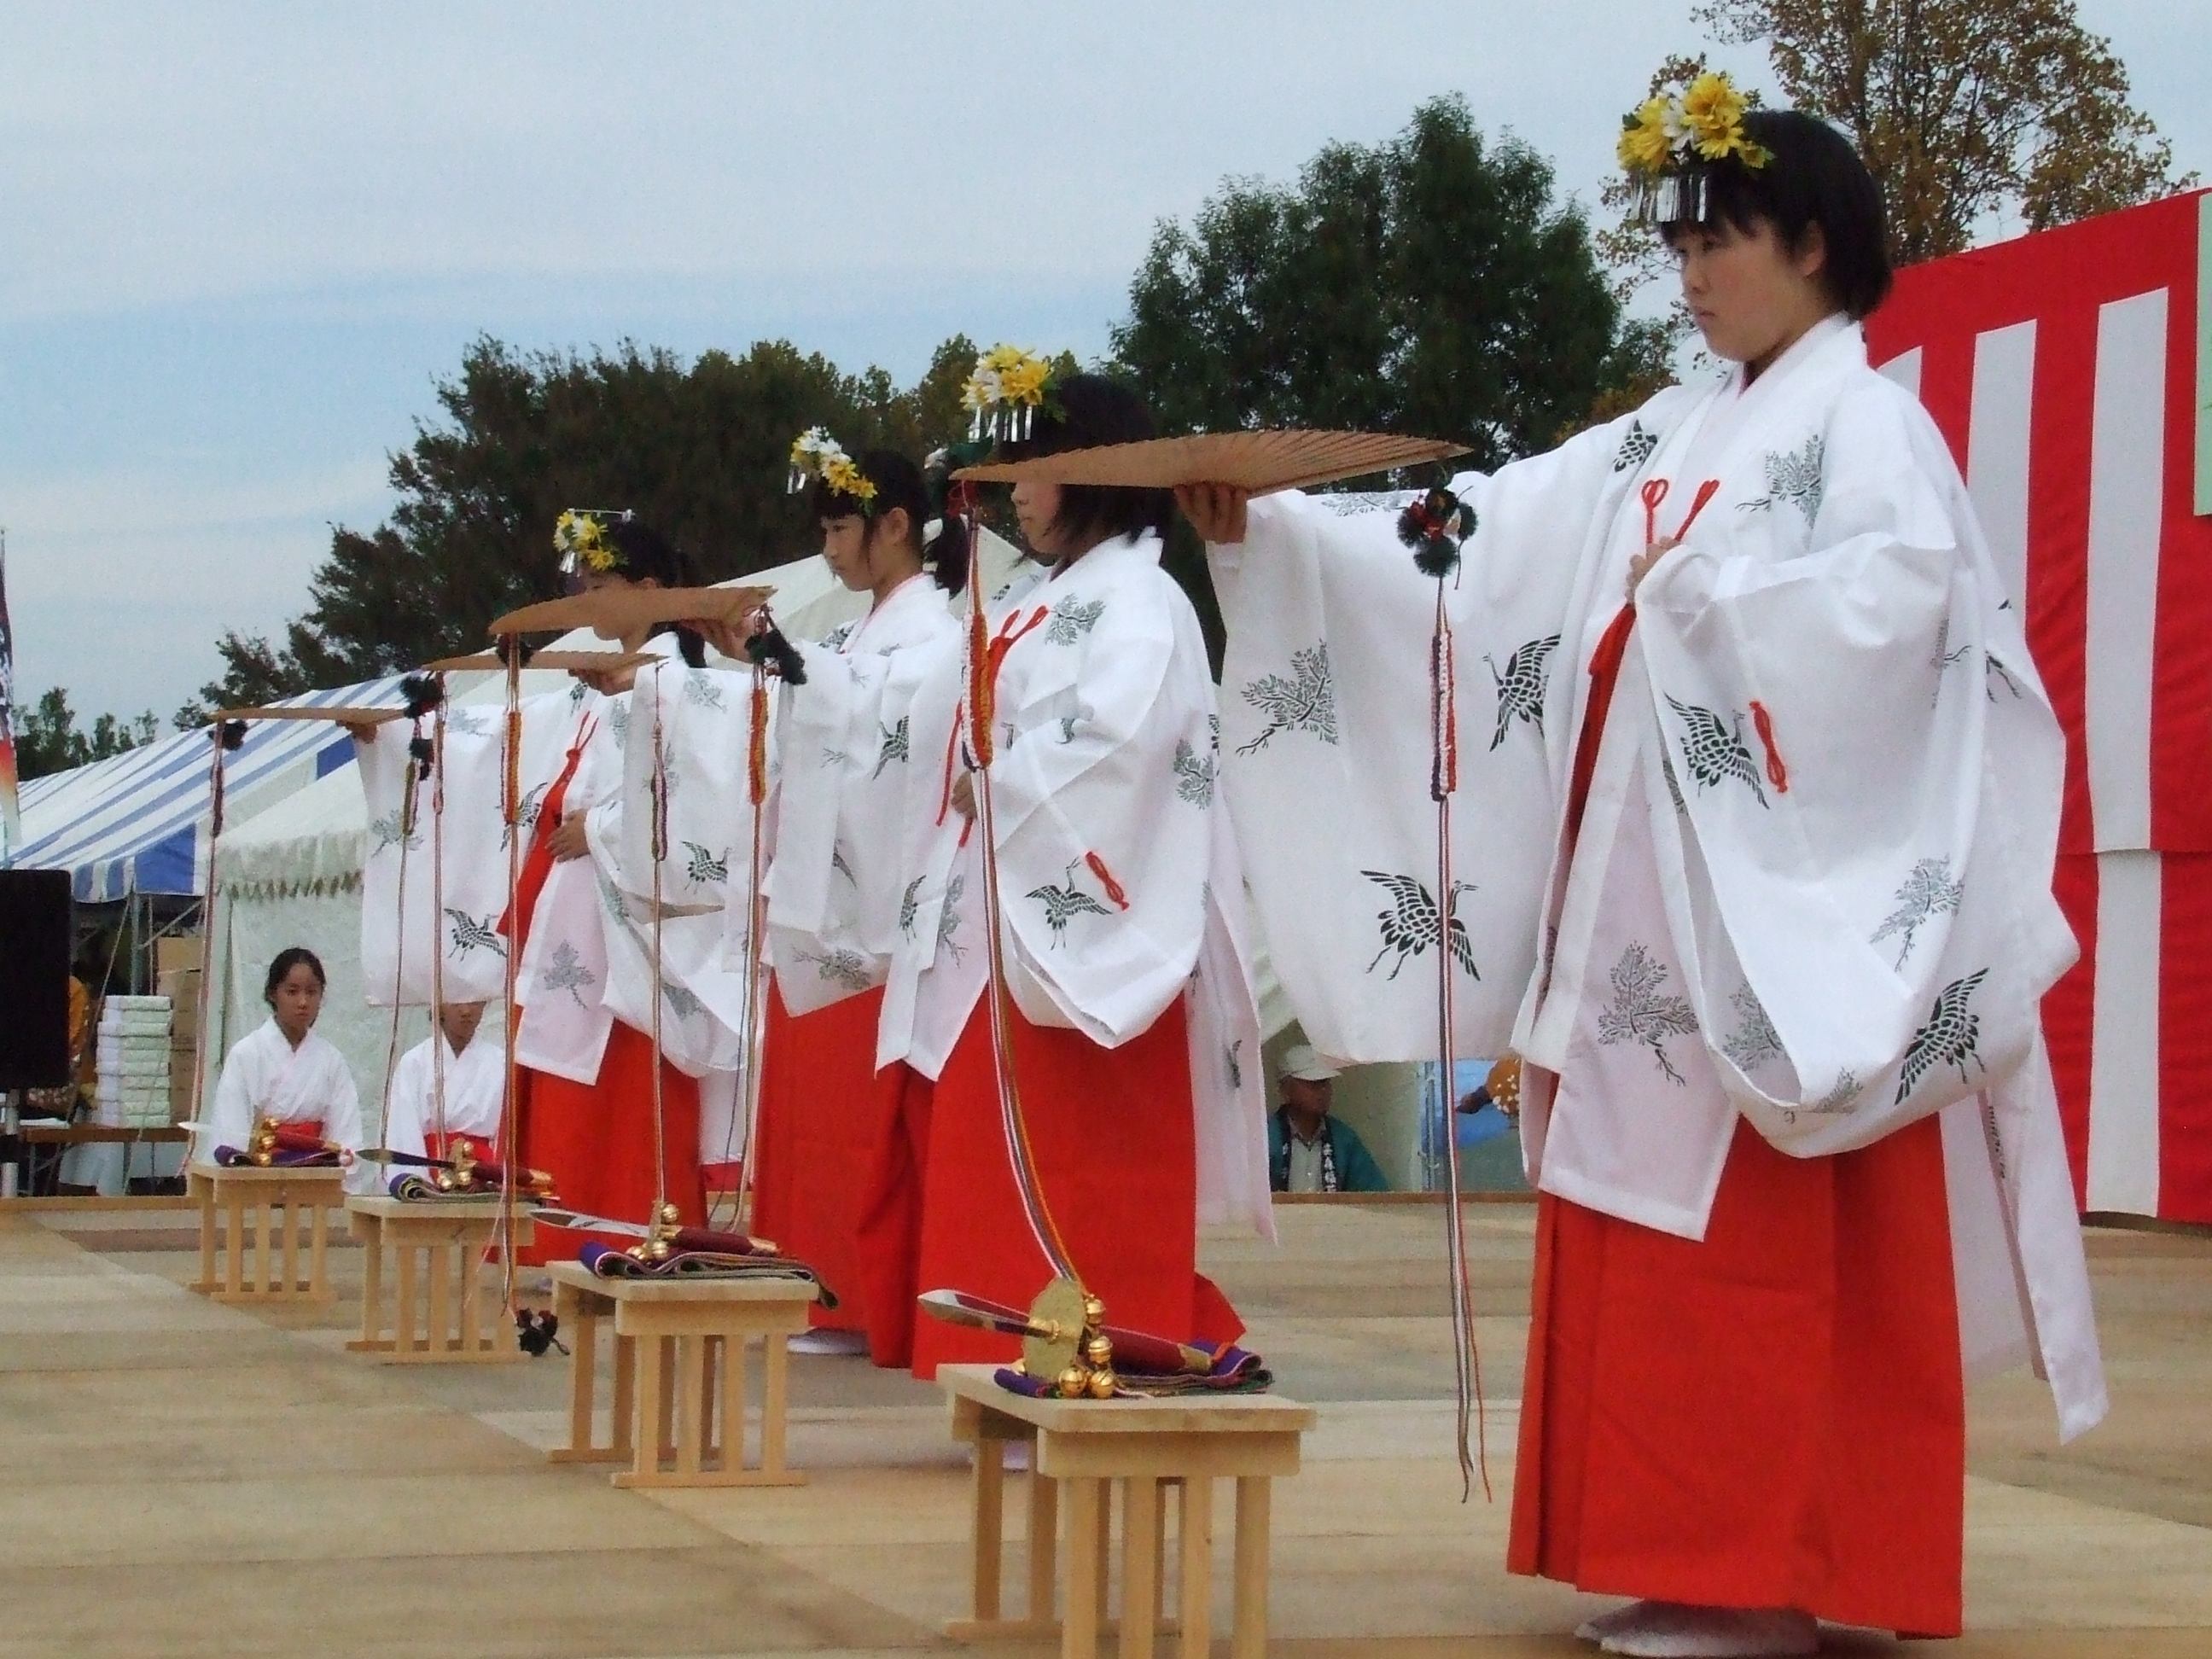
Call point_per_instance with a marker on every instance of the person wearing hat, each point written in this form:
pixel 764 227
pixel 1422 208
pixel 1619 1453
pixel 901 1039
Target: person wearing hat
pixel 1308 1150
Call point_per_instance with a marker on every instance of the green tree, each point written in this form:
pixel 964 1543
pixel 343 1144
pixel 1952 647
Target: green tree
pixel 1964 109
pixel 698 450
pixel 1432 284
pixel 48 739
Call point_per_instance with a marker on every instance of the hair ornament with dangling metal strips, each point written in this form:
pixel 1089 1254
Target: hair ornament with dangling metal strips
pixel 816 454
pixel 1436 526
pixel 1004 391
pixel 1670 143
pixel 580 536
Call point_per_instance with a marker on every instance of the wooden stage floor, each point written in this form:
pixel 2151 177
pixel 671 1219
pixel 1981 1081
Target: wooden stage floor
pixel 182 1478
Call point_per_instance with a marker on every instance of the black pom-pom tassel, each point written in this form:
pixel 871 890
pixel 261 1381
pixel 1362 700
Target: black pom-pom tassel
pixel 234 734
pixel 423 752
pixel 421 693
pixel 770 646
pixel 1435 526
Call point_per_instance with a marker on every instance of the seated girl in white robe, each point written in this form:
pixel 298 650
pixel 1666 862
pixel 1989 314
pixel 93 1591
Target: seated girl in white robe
pixel 444 1104
pixel 282 1072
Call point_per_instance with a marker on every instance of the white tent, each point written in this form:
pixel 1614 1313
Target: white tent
pixel 293 875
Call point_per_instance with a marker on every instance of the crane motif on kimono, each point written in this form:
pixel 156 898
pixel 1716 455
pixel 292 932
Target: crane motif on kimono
pixel 1713 751
pixel 1950 1037
pixel 1063 904
pixel 1409 926
pixel 469 933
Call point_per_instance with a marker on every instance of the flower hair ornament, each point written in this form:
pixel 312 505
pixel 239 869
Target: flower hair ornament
pixel 1435 526
pixel 1004 393
pixel 579 536
pixel 816 454
pixel 1670 144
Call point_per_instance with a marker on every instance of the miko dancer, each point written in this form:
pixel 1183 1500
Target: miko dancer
pixel 1134 1041
pixel 1762 806
pixel 463 1118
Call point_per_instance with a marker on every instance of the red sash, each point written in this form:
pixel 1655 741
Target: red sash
pixel 537 856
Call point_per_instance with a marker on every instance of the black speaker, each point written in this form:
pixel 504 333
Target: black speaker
pixel 34 976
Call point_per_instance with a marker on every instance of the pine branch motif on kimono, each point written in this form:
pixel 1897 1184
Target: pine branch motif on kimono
pixel 836 638
pixel 465 723
pixel 1235 1058
pixel 1949 1038
pixel 844 967
pixel 1640 1013
pixel 533 803
pixel 897 746
pixel 700 691
pixel 1755 1041
pixel 1521 687
pixel 1193 775
pixel 681 1002
pixel 469 933
pixel 576 694
pixel 1409 926
pixel 1072 618
pixel 1840 1097
pixel 1304 701
pixel 566 973
pixel 910 906
pixel 617 911
pixel 1063 904
pixel 618 722
pixel 1638 446
pixel 389 832
pixel 703 866
pixel 836 757
pixel 948 919
pixel 1794 476
pixel 1927 892
pixel 1715 752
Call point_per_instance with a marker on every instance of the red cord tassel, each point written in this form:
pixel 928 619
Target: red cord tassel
pixel 1763 723
pixel 1114 889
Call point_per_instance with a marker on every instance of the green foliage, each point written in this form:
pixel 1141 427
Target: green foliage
pixel 1432 285
pixel 699 450
pixel 49 741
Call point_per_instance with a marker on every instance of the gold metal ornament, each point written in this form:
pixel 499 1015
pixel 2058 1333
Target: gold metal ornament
pixel 1056 1342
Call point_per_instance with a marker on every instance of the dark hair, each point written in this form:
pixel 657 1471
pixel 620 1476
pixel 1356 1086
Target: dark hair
pixel 1092 411
pixel 648 554
pixel 900 482
pixel 1813 177
pixel 298 957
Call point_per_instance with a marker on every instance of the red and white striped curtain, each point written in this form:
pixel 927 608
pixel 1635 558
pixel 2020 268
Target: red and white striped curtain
pixel 2071 372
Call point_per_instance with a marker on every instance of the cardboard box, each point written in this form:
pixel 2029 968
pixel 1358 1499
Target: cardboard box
pixel 173 952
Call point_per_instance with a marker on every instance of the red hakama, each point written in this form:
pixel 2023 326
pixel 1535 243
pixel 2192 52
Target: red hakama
pixel 822 1119
pixel 1116 1153
pixel 595 1139
pixel 1773 1418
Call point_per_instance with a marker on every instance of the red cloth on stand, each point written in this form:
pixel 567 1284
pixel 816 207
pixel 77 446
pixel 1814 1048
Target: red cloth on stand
pixel 822 1119
pixel 1775 1417
pixel 1115 1147
pixel 595 1139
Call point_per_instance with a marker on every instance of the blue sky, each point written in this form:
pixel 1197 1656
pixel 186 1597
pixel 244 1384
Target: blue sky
pixel 239 242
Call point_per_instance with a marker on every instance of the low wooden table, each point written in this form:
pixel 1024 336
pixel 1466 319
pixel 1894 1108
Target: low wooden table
pixel 1090 1446
pixel 316 1192
pixel 670 1337
pixel 437 1316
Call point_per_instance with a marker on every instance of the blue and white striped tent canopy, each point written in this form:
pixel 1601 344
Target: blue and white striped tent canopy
pixel 138 823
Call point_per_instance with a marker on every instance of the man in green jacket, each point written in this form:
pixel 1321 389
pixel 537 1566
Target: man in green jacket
pixel 1308 1150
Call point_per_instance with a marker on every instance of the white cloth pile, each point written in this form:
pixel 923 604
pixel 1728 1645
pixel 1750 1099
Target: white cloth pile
pixel 133 1053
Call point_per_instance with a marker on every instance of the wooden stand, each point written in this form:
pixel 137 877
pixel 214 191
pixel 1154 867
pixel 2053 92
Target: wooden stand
pixel 234 1192
pixel 1143 1446
pixel 442 1322
pixel 672 1337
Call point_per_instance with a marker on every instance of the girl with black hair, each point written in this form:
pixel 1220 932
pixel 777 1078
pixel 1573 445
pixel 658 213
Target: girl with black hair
pixel 283 1070
pixel 843 756
pixel 1134 1041
pixel 587 1111
pixel 1757 881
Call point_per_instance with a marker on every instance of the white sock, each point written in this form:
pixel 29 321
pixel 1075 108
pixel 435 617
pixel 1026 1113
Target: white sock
pixel 1597 1628
pixel 1664 1630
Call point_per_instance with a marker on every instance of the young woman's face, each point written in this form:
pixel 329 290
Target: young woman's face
pixel 1036 506
pixel 297 1001
pixel 1749 295
pixel 845 551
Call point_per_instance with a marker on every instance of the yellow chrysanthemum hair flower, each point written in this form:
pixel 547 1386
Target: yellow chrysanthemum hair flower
pixel 816 454
pixel 580 536
pixel 1007 388
pixel 1669 143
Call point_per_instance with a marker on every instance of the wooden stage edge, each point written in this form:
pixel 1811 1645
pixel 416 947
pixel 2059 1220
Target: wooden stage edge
pixel 96 1201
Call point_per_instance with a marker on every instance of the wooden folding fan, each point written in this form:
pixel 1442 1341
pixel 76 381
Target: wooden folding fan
pixel 1259 462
